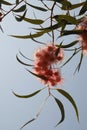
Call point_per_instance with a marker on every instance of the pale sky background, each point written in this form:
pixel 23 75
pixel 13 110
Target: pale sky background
pixel 14 112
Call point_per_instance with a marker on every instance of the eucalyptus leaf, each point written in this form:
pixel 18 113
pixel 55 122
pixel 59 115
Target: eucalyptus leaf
pixel 25 56
pixel 27 123
pixel 80 62
pixel 75 6
pixel 84 8
pixel 59 103
pixel 20 9
pixel 22 61
pixel 33 21
pixel 20 18
pixel 37 75
pixel 70 32
pixel 68 18
pixel 50 28
pixel 69 45
pixel 6 3
pixel 74 53
pixel 27 96
pixel 68 96
pixel 36 7
pixel 38 34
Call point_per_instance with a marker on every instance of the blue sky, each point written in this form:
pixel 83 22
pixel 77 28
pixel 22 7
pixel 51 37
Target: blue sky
pixel 14 112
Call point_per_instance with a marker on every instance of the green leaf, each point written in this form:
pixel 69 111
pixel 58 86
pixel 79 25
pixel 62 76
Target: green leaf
pixel 59 103
pixel 80 62
pixel 25 56
pixel 33 21
pixel 37 75
pixel 50 28
pixel 70 32
pixel 38 41
pixel 6 3
pixel 69 45
pixel 68 96
pixel 1 29
pixel 38 34
pixel 83 9
pixel 27 96
pixel 75 6
pixel 67 18
pixel 21 9
pixel 22 62
pixel 20 18
pixel 36 7
pixel 27 123
pixel 65 3
pixel 74 53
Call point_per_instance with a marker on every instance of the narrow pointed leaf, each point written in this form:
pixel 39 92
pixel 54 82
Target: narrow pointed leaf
pixel 20 18
pixel 60 105
pixel 27 96
pixel 63 2
pixel 79 65
pixel 70 32
pixel 33 21
pixel 39 76
pixel 74 6
pixel 27 123
pixel 81 58
pixel 38 34
pixel 22 62
pixel 6 3
pixel 68 18
pixel 1 29
pixel 21 9
pixel 25 56
pixel 66 4
pixel 83 9
pixel 68 96
pixel 55 26
pixel 69 59
pixel 36 7
pixel 69 45
pixel 37 41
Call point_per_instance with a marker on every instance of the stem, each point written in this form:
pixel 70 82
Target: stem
pixel 49 91
pixel 45 5
pixel 42 105
pixel 12 9
pixel 51 18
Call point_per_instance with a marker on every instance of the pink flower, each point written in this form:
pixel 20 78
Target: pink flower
pixel 44 60
pixel 83 36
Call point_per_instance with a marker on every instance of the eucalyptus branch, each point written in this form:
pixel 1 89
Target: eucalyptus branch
pixel 51 18
pixel 12 9
pixel 42 105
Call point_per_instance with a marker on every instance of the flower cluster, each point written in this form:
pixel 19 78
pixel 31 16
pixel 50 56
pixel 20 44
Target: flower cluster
pixel 83 36
pixel 44 61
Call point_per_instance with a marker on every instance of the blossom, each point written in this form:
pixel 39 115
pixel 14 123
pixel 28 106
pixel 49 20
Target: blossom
pixel 83 36
pixel 44 60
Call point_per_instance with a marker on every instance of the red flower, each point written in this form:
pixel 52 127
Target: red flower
pixel 83 36
pixel 44 60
